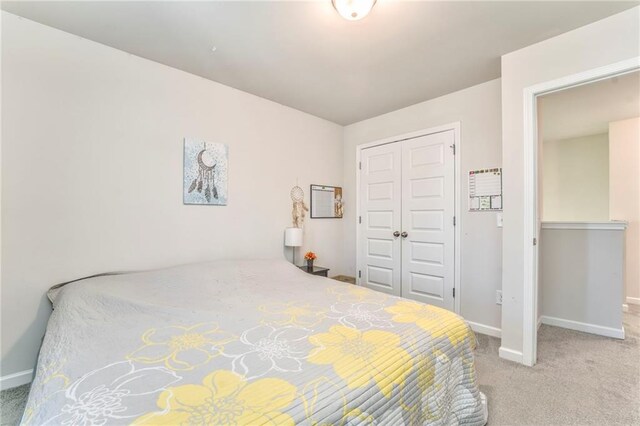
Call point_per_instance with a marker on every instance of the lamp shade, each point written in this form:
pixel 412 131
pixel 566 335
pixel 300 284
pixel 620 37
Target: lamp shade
pixel 293 237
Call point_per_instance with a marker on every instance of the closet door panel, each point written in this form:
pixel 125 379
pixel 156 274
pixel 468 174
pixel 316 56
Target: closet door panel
pixel 427 218
pixel 380 205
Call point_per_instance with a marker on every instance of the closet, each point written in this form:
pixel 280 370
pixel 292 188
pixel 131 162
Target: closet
pixel 406 238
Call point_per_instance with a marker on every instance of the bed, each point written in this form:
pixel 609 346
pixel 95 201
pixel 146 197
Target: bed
pixel 249 342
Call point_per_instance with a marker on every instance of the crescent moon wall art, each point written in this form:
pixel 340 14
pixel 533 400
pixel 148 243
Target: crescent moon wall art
pixel 206 168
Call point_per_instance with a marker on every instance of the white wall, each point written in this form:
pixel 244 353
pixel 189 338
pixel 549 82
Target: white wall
pixel 624 142
pixel 575 174
pixel 478 110
pixel 92 172
pixel 604 42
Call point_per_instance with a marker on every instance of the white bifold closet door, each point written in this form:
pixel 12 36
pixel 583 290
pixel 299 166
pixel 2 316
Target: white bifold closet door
pixel 407 211
pixel 428 201
pixel 380 217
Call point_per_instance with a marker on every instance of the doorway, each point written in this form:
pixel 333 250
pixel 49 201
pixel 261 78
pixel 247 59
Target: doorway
pixel 532 217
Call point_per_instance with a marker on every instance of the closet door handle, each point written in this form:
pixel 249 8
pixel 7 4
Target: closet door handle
pixel 404 235
pixel 396 234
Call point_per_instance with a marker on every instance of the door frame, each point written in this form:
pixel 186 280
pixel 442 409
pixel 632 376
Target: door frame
pixel 531 220
pixel 455 127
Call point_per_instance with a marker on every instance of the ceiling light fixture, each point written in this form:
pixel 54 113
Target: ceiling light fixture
pixel 353 10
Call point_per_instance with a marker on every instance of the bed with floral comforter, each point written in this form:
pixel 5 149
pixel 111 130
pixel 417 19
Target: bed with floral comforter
pixel 252 343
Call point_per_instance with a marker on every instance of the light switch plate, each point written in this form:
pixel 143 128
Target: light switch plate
pixel 499 219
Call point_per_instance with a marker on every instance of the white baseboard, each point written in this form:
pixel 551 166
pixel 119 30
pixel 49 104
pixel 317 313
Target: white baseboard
pixel 485 329
pixel 539 322
pixel 16 379
pixel 510 354
pixel 625 307
pixel 633 300
pixel 616 333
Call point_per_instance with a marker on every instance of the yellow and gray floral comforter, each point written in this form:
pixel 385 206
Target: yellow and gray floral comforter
pixel 253 343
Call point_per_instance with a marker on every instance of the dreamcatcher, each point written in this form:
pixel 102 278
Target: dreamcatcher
pixel 205 177
pixel 299 208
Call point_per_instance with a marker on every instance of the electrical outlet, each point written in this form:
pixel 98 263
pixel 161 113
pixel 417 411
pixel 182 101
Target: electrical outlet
pixel 498 297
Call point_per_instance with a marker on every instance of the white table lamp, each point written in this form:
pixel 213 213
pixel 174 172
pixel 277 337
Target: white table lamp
pixel 293 238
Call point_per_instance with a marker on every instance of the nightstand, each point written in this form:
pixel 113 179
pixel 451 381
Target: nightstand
pixel 316 270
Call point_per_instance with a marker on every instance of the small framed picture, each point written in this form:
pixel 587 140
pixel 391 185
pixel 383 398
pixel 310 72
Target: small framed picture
pixel 326 202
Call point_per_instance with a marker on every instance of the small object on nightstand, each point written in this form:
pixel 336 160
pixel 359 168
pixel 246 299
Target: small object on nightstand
pixel 316 270
pixel 310 257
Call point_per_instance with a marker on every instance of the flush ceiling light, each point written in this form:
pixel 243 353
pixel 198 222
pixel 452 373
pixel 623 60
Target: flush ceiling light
pixel 353 10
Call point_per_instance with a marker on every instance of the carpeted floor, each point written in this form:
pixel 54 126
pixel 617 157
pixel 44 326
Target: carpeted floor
pixel 12 403
pixel 580 379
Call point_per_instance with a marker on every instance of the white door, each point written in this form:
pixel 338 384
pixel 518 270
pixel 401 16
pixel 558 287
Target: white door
pixel 428 206
pixel 380 204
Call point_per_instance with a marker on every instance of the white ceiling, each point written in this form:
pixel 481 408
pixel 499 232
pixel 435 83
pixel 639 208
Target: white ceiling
pixel 588 110
pixel 304 55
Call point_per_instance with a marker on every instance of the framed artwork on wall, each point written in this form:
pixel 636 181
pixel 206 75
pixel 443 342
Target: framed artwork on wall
pixel 205 175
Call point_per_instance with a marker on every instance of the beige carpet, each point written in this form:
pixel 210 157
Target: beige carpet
pixel 580 379
pixel 12 404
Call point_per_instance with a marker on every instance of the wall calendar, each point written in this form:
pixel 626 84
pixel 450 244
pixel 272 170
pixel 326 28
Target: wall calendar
pixel 485 190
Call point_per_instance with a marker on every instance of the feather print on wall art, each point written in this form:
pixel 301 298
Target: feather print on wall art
pixel 205 172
